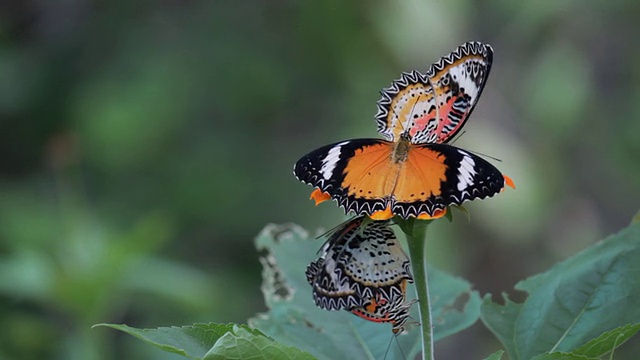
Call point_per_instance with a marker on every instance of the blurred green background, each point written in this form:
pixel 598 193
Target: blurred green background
pixel 144 144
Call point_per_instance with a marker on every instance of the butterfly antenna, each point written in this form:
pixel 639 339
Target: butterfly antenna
pixel 458 137
pixel 334 229
pixel 353 235
pixel 485 155
pixel 475 152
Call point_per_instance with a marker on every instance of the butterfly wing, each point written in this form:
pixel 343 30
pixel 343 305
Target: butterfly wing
pixel 376 261
pixel 458 80
pixel 394 311
pixel 358 174
pixel 362 176
pixel 408 99
pixel 331 288
pixel 359 262
pixel 433 107
pixel 435 176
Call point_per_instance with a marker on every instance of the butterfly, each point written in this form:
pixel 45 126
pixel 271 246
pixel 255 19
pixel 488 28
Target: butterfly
pixel 363 269
pixel 412 172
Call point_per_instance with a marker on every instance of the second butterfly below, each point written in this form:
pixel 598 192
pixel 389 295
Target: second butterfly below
pixel 363 269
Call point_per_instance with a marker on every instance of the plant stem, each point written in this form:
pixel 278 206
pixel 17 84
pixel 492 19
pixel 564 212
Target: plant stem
pixel 416 231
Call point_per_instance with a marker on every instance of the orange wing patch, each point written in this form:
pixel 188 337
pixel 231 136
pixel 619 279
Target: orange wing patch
pixel 437 214
pixel 385 214
pixel 509 182
pixel 319 196
pixel 370 173
pixel 421 176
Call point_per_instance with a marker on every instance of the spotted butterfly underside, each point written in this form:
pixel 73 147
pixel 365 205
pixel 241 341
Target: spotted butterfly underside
pixel 358 263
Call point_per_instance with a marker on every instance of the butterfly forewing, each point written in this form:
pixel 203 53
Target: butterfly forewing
pixel 454 176
pixel 358 174
pixel 433 107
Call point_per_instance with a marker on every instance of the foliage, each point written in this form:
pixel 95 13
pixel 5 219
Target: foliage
pixel 214 342
pixel 585 306
pixel 581 309
pixel 495 356
pixel 295 320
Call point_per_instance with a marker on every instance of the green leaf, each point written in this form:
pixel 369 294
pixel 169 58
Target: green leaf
pixel 243 344
pixel 562 356
pixel 495 356
pixel 574 302
pixel 608 341
pixel 500 319
pixel 294 319
pixel 213 341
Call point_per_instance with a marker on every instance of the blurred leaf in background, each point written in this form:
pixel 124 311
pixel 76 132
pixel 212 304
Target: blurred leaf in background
pixel 145 144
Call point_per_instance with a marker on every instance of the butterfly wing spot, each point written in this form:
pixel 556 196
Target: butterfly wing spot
pixel 330 161
pixel 466 171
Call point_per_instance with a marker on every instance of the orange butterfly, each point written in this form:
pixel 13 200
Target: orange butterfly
pixel 412 172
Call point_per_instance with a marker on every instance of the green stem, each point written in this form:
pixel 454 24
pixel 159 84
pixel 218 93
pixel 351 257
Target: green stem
pixel 416 231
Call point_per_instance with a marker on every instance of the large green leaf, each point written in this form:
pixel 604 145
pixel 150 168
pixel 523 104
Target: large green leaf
pixel 244 344
pixel 214 341
pixel 294 319
pixel 574 302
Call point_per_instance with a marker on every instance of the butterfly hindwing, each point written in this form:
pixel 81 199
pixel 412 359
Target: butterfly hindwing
pixel 433 107
pixel 394 311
